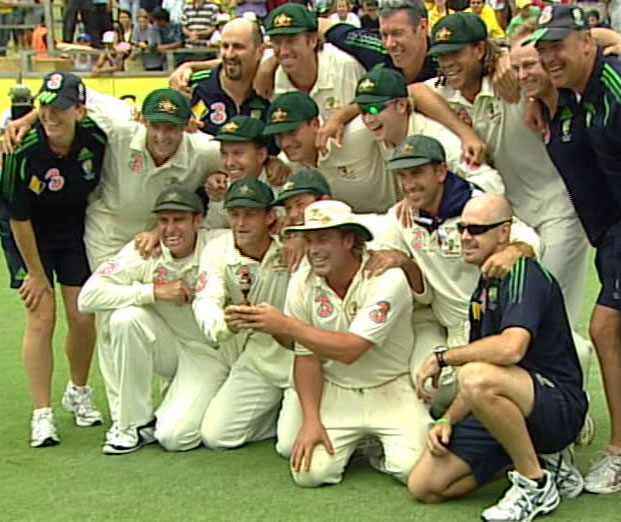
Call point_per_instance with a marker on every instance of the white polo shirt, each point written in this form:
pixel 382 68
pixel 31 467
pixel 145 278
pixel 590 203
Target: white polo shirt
pixel 220 277
pixel 120 207
pixel 337 76
pixel 378 309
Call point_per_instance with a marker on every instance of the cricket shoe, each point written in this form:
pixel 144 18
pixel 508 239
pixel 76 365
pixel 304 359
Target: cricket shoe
pixel 79 401
pixel 524 500
pixel 587 433
pixel 604 475
pixel 566 475
pixel 43 429
pixel 127 440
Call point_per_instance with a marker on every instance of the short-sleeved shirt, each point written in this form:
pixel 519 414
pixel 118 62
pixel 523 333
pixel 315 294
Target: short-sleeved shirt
pixel 530 298
pixel 378 309
pixel 214 107
pixel 199 19
pixel 584 141
pixel 52 191
pixel 366 47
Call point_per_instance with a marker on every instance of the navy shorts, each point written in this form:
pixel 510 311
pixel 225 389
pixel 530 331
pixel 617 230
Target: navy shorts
pixel 608 265
pixel 553 425
pixel 66 259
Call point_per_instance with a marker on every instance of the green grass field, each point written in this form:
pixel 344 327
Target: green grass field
pixel 76 482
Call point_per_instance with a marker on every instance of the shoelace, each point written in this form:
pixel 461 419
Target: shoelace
pixel 84 403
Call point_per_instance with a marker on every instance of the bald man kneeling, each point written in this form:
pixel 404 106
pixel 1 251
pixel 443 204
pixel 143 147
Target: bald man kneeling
pixel 520 385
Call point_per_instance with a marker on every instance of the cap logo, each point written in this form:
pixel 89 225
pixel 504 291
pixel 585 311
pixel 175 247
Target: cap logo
pixel 173 196
pixel 317 216
pixel 54 82
pixel 283 20
pixel 443 34
pixel 166 106
pixel 288 186
pixel 245 190
pixel 230 128
pixel 279 116
pixel 546 15
pixel 366 86
pixel 576 14
pixel 407 149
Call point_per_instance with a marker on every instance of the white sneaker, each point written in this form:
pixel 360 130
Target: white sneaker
pixel 120 441
pixel 567 476
pixel 43 429
pixel 604 475
pixel 524 500
pixel 79 401
pixel 587 433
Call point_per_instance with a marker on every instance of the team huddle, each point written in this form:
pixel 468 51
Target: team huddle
pixel 371 254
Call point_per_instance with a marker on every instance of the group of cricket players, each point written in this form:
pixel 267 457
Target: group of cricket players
pixel 360 245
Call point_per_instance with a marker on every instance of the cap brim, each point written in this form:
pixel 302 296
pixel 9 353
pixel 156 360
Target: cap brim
pixel 366 233
pixel 548 34
pixel 285 195
pixel 280 128
pixel 365 99
pixel 280 31
pixel 446 48
pixel 60 102
pixel 179 207
pixel 166 118
pixel 245 203
pixel 239 139
pixel 407 163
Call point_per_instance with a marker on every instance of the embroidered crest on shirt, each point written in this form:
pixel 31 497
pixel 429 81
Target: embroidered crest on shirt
pixel 325 307
pixel 36 185
pixel 380 313
pixel 136 162
pixel 108 268
pixel 160 278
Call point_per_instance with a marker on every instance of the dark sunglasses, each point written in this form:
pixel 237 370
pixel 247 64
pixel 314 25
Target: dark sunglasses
pixel 373 108
pixel 477 230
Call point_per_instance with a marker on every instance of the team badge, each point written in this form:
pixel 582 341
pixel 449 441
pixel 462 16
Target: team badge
pixel 546 15
pixel 379 314
pixel 476 311
pixel 87 167
pixel 136 162
pixel 230 127
pixel 283 20
pixel 201 284
pixel 217 113
pixel 325 308
pixel 464 116
pixel 257 114
pixel 419 240
pixel 547 135
pixel 279 116
pixel 566 130
pixel 108 268
pixel 55 181
pixel 367 85
pixel 331 103
pixel 36 185
pixel 160 277
pixel 85 154
pixel 444 34
pixel 167 107
pixel 171 181
pixel 353 310
pixel 54 82
pixel 346 172
pixel 246 279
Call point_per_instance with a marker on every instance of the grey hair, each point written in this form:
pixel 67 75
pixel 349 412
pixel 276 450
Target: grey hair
pixel 415 9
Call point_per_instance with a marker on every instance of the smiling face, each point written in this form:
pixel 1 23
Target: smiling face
pixel 239 51
pixel 387 125
pixel 163 140
pixel 477 6
pixel 295 207
pixel 59 125
pixel 534 81
pixel 250 226
pixel 299 144
pixel 178 231
pixel 462 69
pixel 242 159
pixel 295 52
pixel 422 186
pixel 567 61
pixel 329 251
pixel 403 42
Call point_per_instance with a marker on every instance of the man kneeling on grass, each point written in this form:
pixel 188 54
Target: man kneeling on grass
pixel 520 385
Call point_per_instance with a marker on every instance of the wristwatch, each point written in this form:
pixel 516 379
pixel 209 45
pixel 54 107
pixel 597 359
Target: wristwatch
pixel 439 352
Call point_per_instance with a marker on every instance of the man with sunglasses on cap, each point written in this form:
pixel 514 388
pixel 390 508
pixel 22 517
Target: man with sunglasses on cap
pixel 44 186
pixel 153 331
pixel 583 139
pixel 248 269
pixel 515 399
pixel 353 340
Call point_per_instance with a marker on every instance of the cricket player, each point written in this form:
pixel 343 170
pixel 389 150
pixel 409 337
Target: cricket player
pixel 44 188
pixel 153 331
pixel 514 400
pixel 248 269
pixel 353 340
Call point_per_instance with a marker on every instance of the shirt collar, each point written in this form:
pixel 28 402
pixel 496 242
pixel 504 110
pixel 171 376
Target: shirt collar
pixel 320 283
pixel 201 240
pixel 234 257
pixel 487 91
pixel 325 79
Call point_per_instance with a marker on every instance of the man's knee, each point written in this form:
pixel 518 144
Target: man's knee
pixel 605 328
pixel 423 484
pixel 478 380
pixel 324 469
pixel 177 437
pixel 216 431
pixel 127 317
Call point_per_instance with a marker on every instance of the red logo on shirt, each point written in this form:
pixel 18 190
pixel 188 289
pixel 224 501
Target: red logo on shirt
pixel 325 307
pixel 109 268
pixel 380 314
pixel 202 282
pixel 55 181
pixel 464 116
pixel 136 162
pixel 161 276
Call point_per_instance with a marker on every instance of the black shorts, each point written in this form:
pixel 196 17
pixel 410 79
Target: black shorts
pixel 553 425
pixel 607 263
pixel 65 259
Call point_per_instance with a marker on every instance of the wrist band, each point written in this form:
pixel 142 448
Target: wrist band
pixel 442 420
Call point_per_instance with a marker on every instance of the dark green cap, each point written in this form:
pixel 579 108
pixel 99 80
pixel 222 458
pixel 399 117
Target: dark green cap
pixel 166 105
pixel 248 193
pixel 242 128
pixel 62 90
pixel 456 31
pixel 290 19
pixel 289 111
pixel 380 84
pixel 178 198
pixel 556 21
pixel 308 181
pixel 416 151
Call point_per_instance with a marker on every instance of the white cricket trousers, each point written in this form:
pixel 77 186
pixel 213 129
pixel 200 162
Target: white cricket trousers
pixel 144 345
pixel 391 412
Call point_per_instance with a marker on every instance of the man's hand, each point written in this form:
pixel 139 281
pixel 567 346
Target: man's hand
pixel 330 130
pixel 438 439
pixel 15 132
pixel 293 251
pixel 311 434
pixel 180 80
pixel 613 50
pixel 533 116
pixel 262 318
pixel 216 185
pixel 148 244
pixel 264 78
pixel 193 125
pixel 176 291
pixel 504 80
pixel 277 172
pixel 498 265
pixel 429 370
pixel 474 148
pixel 232 318
pixel 382 260
pixel 33 289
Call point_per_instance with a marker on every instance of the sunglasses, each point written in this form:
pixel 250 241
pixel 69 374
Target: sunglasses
pixel 373 108
pixel 477 230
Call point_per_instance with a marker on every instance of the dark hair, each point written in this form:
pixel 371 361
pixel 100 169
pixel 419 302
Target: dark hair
pixel 131 97
pixel 415 10
pixel 593 12
pixel 160 15
pixel 124 11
